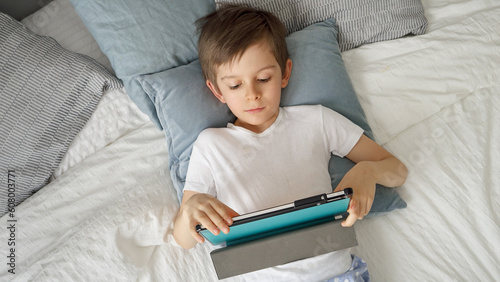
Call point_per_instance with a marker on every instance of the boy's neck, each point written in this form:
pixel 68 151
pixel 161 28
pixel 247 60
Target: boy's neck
pixel 260 127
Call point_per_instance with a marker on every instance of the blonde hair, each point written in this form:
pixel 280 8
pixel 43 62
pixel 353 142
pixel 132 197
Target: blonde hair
pixel 226 34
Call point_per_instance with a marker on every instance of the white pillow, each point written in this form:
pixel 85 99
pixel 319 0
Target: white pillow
pixel 59 20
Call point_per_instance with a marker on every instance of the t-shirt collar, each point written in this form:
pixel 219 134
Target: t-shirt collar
pixel 263 133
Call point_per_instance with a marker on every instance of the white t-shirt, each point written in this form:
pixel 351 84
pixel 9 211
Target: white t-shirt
pixel 251 171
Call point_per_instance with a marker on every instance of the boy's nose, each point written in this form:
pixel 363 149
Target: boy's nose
pixel 253 93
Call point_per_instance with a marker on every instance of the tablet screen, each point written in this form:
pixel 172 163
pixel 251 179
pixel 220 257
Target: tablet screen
pixel 278 224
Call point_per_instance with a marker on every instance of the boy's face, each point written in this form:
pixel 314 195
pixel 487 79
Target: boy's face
pixel 251 87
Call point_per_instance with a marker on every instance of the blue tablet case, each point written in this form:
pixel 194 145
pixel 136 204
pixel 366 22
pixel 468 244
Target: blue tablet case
pixel 278 224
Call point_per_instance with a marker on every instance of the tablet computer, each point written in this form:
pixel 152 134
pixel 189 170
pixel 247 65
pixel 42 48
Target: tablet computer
pixel 263 223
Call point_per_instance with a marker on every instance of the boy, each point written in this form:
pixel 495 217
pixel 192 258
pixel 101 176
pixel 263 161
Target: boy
pixel 270 155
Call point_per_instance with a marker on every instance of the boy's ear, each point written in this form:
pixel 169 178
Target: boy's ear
pixel 215 91
pixel 286 75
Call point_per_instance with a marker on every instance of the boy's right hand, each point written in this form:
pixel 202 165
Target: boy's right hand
pixel 204 209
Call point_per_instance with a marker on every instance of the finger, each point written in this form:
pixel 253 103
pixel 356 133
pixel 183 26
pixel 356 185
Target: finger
pixel 369 206
pixel 364 207
pixel 353 214
pixel 357 208
pixel 225 212
pixel 232 213
pixel 353 205
pixel 220 217
pixel 206 221
pixel 361 211
pixel 197 236
pixel 350 220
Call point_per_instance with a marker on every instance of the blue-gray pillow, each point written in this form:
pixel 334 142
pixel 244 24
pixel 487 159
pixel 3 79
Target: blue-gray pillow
pixel 186 106
pixel 141 37
pixel 47 94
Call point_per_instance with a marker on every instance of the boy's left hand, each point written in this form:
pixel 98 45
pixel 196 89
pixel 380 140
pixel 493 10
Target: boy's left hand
pixel 374 165
pixel 363 185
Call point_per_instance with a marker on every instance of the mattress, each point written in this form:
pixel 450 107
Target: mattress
pixel 431 100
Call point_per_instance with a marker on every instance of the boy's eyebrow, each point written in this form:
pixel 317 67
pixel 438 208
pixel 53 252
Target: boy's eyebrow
pixel 264 68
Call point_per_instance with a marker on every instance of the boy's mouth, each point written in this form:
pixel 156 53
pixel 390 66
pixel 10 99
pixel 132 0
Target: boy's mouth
pixel 255 110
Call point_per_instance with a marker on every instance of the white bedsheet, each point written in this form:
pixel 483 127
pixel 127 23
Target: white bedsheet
pixel 432 100
pixel 114 117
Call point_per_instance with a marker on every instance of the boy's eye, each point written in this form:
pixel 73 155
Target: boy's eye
pixel 234 87
pixel 264 79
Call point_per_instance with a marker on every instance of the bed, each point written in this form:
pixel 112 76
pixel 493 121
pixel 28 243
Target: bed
pixel 432 100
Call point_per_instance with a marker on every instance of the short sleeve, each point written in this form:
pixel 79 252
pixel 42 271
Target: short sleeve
pixel 199 176
pixel 341 134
